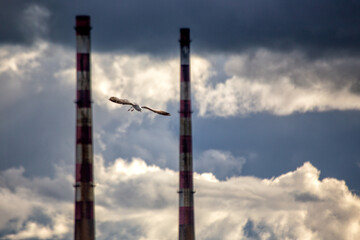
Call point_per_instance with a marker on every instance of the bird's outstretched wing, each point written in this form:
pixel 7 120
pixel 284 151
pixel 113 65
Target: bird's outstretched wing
pixel 157 111
pixel 120 101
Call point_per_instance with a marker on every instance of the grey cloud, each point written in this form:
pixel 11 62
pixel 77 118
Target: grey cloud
pixel 262 65
pixel 225 26
pixel 57 189
pixel 31 212
pixel 221 163
pixel 39 215
pixel 36 108
pixel 11 13
pixel 150 139
pixel 126 230
pixel 280 83
pixel 306 197
pixel 259 231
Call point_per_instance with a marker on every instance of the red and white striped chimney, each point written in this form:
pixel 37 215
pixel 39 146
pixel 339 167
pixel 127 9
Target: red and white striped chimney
pixel 186 192
pixel 84 187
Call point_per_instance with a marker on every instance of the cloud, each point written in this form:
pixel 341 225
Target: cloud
pixel 34 19
pixel 135 200
pixel 256 81
pixel 27 71
pixel 38 86
pixel 228 26
pixel 38 89
pixel 271 207
pixel 35 104
pixel 279 83
pixel 142 79
pixel 35 207
pixel 223 163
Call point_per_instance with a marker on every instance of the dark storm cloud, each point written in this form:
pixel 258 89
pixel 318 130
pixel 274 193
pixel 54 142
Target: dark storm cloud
pixel 231 25
pixel 10 13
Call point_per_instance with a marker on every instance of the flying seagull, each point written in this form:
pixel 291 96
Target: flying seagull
pixel 136 106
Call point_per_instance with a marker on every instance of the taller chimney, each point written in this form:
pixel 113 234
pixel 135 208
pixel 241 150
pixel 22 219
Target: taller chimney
pixel 84 186
pixel 186 192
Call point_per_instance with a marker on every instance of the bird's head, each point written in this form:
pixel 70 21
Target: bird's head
pixel 112 99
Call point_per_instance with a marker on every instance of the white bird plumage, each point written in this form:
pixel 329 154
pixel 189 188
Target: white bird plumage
pixel 136 106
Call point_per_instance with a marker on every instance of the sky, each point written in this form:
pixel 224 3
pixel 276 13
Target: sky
pixel 276 120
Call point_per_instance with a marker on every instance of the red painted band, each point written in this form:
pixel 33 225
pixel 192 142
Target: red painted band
pixel 83 98
pixel 82 25
pixel 186 215
pixel 78 206
pixel 186 180
pixel 185 106
pixel 89 214
pixel 184 36
pixel 83 22
pixel 185 114
pixel 84 135
pixel 184 73
pixel 84 210
pixel 186 144
pixel 84 172
pixel 83 62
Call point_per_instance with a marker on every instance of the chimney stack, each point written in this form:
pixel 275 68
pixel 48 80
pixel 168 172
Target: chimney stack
pixel 186 192
pixel 84 186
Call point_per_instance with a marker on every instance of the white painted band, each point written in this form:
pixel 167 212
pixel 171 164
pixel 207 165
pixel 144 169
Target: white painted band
pixel 186 162
pixel 84 153
pixel 185 198
pixel 83 80
pixel 185 91
pixel 184 55
pixel 82 44
pixel 83 117
pixel 185 126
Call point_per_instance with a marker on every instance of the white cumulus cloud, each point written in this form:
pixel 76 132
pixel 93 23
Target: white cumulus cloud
pixel 135 200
